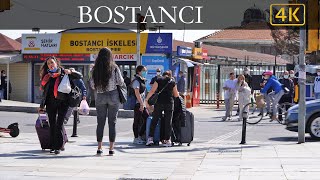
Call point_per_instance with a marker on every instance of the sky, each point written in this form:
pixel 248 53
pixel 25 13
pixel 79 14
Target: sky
pixel 189 35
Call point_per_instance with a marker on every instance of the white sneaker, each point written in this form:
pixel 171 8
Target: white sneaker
pixel 167 144
pixel 150 141
pixel 138 141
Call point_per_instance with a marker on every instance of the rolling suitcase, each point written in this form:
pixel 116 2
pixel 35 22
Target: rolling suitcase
pixel 43 130
pixel 156 137
pixel 183 134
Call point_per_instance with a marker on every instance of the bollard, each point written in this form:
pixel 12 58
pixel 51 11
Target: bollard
pixel 75 122
pixel 218 101
pixel 244 128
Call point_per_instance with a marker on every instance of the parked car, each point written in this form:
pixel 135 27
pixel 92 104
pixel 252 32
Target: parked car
pixel 312 118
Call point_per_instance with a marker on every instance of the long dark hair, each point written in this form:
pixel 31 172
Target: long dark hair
pixel 103 67
pixel 44 68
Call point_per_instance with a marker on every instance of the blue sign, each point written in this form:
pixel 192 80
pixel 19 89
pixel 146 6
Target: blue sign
pixel 159 43
pixel 153 63
pixel 184 51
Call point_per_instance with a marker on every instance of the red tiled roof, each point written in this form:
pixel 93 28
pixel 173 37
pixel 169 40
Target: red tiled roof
pixel 251 31
pixel 233 53
pixel 8 45
pixel 19 39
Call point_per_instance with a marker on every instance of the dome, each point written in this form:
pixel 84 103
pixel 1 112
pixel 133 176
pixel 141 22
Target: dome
pixel 253 14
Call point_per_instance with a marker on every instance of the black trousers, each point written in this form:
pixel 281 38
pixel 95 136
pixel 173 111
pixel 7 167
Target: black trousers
pixel 166 122
pixel 139 121
pixel 56 110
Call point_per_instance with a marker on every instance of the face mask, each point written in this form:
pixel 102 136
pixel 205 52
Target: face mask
pixel 52 70
pixel 3 74
pixel 318 73
pixel 265 78
pixel 158 73
pixel 291 75
pixel 144 74
pixel 246 72
pixel 286 76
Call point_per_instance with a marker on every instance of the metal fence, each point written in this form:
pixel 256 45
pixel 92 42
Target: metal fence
pixel 214 76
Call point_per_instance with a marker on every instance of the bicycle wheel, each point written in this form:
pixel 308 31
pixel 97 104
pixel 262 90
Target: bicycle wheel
pixel 254 115
pixel 283 111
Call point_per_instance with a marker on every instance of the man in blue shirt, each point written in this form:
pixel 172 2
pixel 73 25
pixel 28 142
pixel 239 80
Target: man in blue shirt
pixel 278 92
pixel 80 84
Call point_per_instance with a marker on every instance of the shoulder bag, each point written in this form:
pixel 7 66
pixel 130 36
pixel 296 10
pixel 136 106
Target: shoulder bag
pixel 122 90
pixel 154 98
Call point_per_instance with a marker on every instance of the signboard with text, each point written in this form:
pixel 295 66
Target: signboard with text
pixel 184 51
pixel 91 43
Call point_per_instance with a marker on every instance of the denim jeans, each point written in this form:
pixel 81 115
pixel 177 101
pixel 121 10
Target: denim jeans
pixel 275 103
pixel 107 104
pixel 317 95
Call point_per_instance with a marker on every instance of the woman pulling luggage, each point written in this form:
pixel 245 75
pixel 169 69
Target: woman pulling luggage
pixel 55 102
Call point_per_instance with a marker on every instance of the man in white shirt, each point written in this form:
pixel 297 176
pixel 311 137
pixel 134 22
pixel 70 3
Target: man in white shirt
pixel 230 90
pixel 316 87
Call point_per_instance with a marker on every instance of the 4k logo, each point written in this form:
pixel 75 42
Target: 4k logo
pixel 287 14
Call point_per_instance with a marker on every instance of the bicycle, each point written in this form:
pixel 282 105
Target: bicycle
pixel 255 110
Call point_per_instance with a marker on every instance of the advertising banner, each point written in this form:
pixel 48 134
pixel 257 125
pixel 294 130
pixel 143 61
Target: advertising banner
pixel 197 53
pixel 152 63
pixel 205 54
pixel 91 43
pixel 40 43
pixel 184 51
pixel 118 57
pixel 61 57
pixel 159 43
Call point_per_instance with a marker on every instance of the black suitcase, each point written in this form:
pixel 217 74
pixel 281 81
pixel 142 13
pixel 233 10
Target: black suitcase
pixel 183 134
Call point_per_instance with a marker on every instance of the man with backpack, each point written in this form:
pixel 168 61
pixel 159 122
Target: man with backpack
pixel 80 84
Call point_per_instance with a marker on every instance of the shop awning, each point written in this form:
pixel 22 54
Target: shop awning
pixel 10 58
pixel 187 61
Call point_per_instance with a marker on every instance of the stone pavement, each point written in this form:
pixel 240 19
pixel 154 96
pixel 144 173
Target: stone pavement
pixel 16 106
pixel 219 158
pixel 22 158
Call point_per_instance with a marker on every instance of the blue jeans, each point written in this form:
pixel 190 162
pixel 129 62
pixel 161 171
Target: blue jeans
pixel 317 95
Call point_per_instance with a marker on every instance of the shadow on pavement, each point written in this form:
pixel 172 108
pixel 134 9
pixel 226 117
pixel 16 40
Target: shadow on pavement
pixel 291 139
pixel 39 154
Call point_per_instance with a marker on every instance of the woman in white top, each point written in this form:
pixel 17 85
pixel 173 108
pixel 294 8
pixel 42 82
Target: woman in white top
pixel 106 76
pixel 244 92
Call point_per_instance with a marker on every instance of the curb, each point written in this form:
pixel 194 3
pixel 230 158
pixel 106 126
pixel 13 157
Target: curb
pixel 93 112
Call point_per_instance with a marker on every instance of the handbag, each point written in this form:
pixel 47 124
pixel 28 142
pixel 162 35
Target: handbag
pixel 65 86
pixel 122 90
pixel 75 97
pixel 154 98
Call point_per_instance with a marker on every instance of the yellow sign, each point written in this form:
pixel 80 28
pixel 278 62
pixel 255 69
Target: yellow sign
pixel 197 53
pixel 287 14
pixel 91 43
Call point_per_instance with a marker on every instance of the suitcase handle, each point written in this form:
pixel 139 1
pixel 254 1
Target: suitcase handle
pixel 43 117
